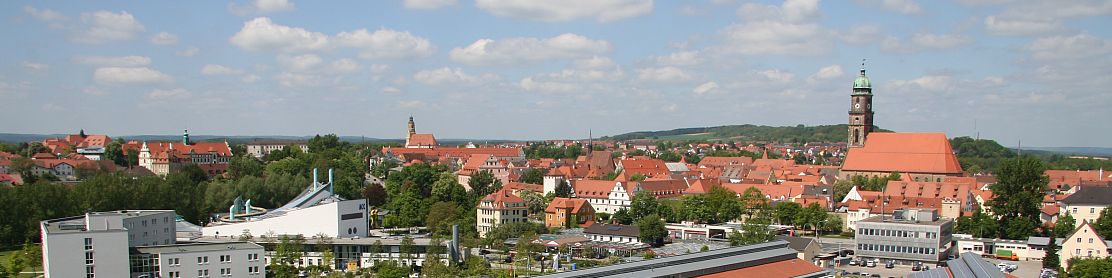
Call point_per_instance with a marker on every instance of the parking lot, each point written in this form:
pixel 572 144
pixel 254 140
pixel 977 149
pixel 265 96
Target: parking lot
pixel 1026 269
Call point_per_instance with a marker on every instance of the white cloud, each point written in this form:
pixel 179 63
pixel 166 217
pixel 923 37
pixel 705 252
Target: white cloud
pixel 548 86
pixel 828 72
pixel 261 7
pixel 411 104
pixel 1004 26
pixel 249 78
pixel 120 75
pixel 160 94
pixel 293 79
pixel 682 58
pixel 773 37
pixel 391 90
pixel 386 44
pixel 262 34
pixel 164 38
pixel 428 4
pixel 300 63
pixel 777 76
pixel 47 15
pixel 212 69
pixel 188 52
pixel 705 88
pixel 933 83
pixel 567 10
pixel 861 34
pixel 1077 48
pixel 924 41
pixel 450 76
pixel 105 26
pixel 114 61
pixel 520 50
pixel 899 6
pixel 378 70
pixel 666 74
pixel 344 66
pixel 36 67
pixel 790 11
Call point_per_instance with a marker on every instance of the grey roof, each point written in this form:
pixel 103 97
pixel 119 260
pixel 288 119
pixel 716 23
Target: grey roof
pixel 818 190
pixel 613 229
pixel 1043 241
pixel 676 167
pixel 967 265
pixel 797 243
pixel 890 220
pixel 1097 195
pixel 197 247
pixel 693 265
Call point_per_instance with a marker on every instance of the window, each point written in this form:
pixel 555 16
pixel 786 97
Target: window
pixel 1078 240
pixel 88 258
pixel 1092 210
pixel 1090 240
pixel 90 272
pixel 88 243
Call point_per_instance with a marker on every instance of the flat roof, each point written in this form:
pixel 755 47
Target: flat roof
pixel 890 220
pixel 74 224
pixel 198 247
pixel 702 263
pixel 422 241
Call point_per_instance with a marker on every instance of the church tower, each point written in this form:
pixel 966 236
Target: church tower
pixel 412 130
pixel 860 110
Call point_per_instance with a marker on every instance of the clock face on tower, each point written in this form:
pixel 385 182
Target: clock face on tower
pixel 857 106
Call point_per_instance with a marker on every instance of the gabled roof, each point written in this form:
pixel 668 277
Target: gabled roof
pixel 797 243
pixel 1089 227
pixel 905 153
pixel 597 189
pixel 576 206
pixel 715 161
pixel 421 140
pixel 958 191
pixel 503 199
pixel 1090 195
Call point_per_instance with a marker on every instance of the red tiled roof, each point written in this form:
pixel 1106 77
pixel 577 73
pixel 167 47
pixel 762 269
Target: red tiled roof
pixel 772 191
pixel 1050 209
pixel 664 188
pixel 794 267
pixel 715 161
pixel 457 152
pixel 14 179
pixel 503 199
pixel 905 153
pixel 574 205
pixel 701 186
pixel 1059 179
pixel 893 203
pixel 645 166
pixel 598 189
pixel 421 140
pixel 518 186
pixel 958 191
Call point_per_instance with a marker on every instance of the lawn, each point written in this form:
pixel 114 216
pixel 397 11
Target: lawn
pixel 5 257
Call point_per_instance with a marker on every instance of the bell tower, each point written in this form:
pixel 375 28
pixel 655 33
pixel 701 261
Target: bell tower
pixel 860 110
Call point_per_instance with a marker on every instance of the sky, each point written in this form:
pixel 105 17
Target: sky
pixel 1039 72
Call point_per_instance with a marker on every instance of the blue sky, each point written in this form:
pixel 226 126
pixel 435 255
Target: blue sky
pixel 1036 71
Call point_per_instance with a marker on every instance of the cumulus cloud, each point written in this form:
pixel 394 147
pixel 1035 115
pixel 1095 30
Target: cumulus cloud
pixel 391 90
pixel 428 4
pixel 344 66
pixel 828 72
pixel 705 88
pixel 35 67
pixel 261 7
pixel 933 83
pixel 106 26
pixel 521 50
pixel 682 58
pixel 114 61
pixel 295 79
pixel 925 41
pixel 1042 17
pixel 450 76
pixel 386 44
pixel 899 6
pixel 262 34
pixel 188 52
pixel 46 15
pixel 300 63
pixel 1078 47
pixel 136 75
pixel 785 29
pixel 666 74
pixel 552 11
pixel 160 94
pixel 212 69
pixel 164 38
pixel 1005 26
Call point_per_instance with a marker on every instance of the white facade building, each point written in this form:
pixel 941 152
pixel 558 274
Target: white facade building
pixel 260 149
pixel 232 259
pixel 315 211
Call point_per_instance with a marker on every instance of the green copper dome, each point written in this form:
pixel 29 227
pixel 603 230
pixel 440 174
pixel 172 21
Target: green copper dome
pixel 862 81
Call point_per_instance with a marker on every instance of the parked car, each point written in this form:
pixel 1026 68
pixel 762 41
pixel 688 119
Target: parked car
pixel 890 264
pixel 853 262
pixel 866 274
pixel 916 267
pixel 871 264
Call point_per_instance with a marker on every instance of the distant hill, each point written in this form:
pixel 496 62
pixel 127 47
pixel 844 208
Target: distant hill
pixel 1087 151
pixel 17 138
pixel 748 132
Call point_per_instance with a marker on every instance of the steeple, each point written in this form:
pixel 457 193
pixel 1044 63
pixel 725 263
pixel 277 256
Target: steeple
pixel 185 137
pixel 860 110
pixel 412 128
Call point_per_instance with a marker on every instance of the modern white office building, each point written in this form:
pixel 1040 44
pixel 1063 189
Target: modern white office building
pixel 315 211
pixel 133 243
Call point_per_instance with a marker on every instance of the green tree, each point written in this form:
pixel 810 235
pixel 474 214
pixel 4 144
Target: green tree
pixel 32 254
pixel 475 266
pixel 390 269
pixel 755 229
pixel 375 195
pixel 841 189
pixel 563 190
pixel 448 189
pixel 1019 189
pixel 811 216
pixel 643 204
pixel 484 183
pixel 752 200
pixel 533 176
pixel 1103 224
pixel 1094 268
pixel 652 230
pixel 324 246
pixel 534 201
pixel 441 217
pixel 290 249
pixel 114 152
pixel 637 177
pixel 1050 260
pixel 623 216
pixel 784 212
pixel 1065 225
pixel 978 225
pixel 244 165
pixel 407 248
